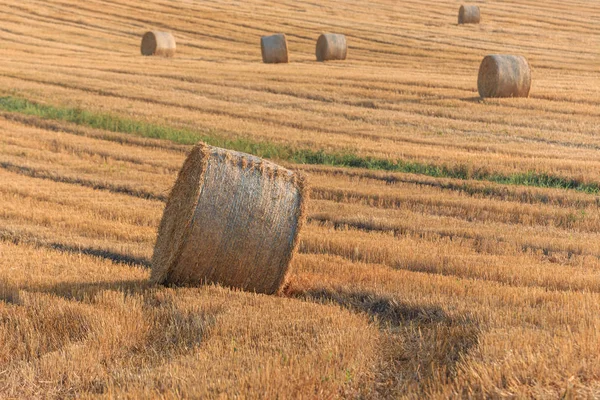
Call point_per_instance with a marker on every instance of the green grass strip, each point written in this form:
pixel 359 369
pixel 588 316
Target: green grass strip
pixel 114 123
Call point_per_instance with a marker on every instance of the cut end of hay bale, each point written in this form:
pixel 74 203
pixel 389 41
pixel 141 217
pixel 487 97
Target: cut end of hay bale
pixel 503 75
pixel 469 15
pixel 156 43
pixel 331 46
pixel 274 49
pixel 232 219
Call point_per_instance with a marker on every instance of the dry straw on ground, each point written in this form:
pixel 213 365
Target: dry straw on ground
pixel 274 49
pixel 469 15
pixel 156 43
pixel 232 219
pixel 503 75
pixel 331 46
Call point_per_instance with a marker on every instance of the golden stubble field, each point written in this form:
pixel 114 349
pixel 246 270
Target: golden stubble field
pixel 405 285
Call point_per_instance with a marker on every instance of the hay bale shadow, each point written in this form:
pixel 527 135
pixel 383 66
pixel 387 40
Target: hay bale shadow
pixel 386 311
pixel 473 99
pixel 115 257
pixel 419 344
pixel 9 293
pixel 84 291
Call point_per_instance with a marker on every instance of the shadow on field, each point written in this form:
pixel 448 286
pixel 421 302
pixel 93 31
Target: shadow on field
pixel 420 344
pixel 78 291
pixel 18 238
pixel 474 99
pixel 384 310
pixel 8 293
pixel 43 174
pixel 106 254
pixel 83 291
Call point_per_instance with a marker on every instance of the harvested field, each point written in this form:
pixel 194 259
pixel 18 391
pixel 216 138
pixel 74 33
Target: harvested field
pixel 452 244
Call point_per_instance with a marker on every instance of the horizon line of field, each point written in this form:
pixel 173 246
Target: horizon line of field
pixel 294 155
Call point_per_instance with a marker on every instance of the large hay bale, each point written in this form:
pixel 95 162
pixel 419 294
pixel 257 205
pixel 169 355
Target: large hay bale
pixel 469 15
pixel 232 219
pixel 331 46
pixel 156 43
pixel 274 49
pixel 503 75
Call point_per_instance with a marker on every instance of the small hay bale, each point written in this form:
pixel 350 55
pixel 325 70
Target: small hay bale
pixel 274 49
pixel 156 43
pixel 232 219
pixel 469 15
pixel 503 75
pixel 331 46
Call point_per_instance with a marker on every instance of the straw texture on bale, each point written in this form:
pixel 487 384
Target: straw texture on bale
pixel 274 49
pixel 469 15
pixel 156 43
pixel 503 75
pixel 232 219
pixel 331 46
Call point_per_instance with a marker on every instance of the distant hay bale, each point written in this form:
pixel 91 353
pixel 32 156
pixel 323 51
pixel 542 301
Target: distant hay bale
pixel 502 75
pixel 232 219
pixel 156 43
pixel 331 46
pixel 469 15
pixel 274 49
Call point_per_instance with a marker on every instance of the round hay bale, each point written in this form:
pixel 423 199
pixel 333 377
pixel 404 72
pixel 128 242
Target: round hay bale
pixel 274 49
pixel 469 15
pixel 156 43
pixel 232 219
pixel 331 46
pixel 503 75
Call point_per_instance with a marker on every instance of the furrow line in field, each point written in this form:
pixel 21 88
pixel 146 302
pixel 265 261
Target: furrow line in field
pixel 494 275
pixel 466 210
pixel 480 243
pixel 78 130
pixel 98 185
pixel 50 43
pixel 63 147
pixel 31 15
pixel 499 193
pixel 17 238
